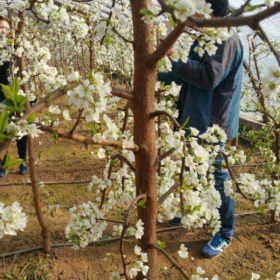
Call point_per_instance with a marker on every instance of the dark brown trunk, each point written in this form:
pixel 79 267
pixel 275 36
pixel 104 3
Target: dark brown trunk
pixel 45 233
pixel 144 131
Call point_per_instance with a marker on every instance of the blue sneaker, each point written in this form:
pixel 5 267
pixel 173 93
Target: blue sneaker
pixel 215 246
pixel 3 172
pixel 175 221
pixel 23 169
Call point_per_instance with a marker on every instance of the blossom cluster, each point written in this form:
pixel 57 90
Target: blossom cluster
pixel 187 8
pixel 22 128
pixel 12 219
pixel 264 192
pixel 85 225
pixel 272 83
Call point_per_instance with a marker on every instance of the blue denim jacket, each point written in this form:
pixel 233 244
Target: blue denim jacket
pixel 211 87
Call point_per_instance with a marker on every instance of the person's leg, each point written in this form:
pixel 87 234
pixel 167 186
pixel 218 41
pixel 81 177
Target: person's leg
pixel 3 171
pixel 227 210
pixel 22 147
pixel 22 151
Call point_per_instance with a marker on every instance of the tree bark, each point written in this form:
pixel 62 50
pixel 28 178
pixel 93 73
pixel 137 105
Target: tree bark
pixel 144 131
pixel 45 232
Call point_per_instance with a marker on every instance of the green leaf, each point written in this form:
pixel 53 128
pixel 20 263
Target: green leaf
pixel 3 137
pixel 261 209
pixel 15 86
pixel 114 161
pixel 4 118
pixel 32 117
pixel 142 203
pixel 93 128
pixel 91 77
pixel 109 39
pixel 186 121
pixel 49 97
pixel 196 208
pixel 12 163
pixel 251 8
pixel 161 244
pixel 21 100
pixel 9 276
pixel 55 137
pixel 173 23
pixel 146 12
pixel 7 92
pixel 10 104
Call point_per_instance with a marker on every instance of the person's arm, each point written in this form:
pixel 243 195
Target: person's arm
pixel 168 78
pixel 207 73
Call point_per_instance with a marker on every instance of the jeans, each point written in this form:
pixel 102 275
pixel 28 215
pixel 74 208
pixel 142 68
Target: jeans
pixel 22 149
pixel 21 143
pixel 227 210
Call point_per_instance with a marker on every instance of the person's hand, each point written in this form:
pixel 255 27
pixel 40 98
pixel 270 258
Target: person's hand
pixel 171 52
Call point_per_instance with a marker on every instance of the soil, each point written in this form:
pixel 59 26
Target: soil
pixel 255 247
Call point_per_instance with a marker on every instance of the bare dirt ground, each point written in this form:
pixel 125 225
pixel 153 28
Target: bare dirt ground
pixel 255 247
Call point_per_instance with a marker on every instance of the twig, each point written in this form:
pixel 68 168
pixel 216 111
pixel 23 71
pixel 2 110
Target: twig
pixel 172 261
pixel 165 229
pixel 120 156
pixel 248 165
pixel 121 36
pixel 126 115
pixel 104 191
pixel 161 230
pixel 47 183
pixel 274 51
pixel 163 113
pixel 171 190
pixel 111 221
pixel 240 11
pixel 181 176
pixel 164 155
pixel 108 22
pixel 126 226
pixel 77 122
pixel 233 177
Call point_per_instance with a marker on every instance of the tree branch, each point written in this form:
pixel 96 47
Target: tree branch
pixel 242 9
pixel 121 36
pixel 165 45
pixel 108 22
pixel 85 140
pixel 170 191
pixel 266 39
pixel 233 177
pixel 164 155
pixel 120 156
pixel 251 21
pixel 122 93
pixel 77 122
pixel 44 103
pixel 36 108
pixel 171 260
pixel 163 113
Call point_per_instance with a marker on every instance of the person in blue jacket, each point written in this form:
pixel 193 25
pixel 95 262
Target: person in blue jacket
pixel 5 70
pixel 210 94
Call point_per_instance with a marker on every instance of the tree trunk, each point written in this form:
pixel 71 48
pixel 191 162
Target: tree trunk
pixel 45 232
pixel 144 131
